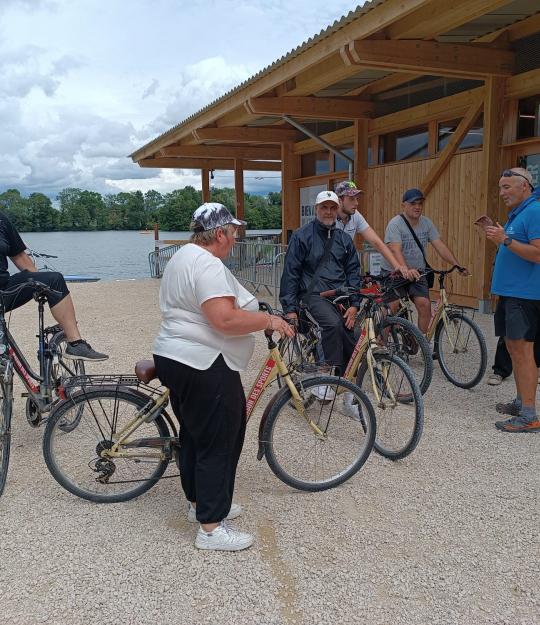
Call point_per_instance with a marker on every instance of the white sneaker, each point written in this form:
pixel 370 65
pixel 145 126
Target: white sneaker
pixel 234 512
pixel 495 379
pixel 324 393
pixel 223 538
pixel 348 408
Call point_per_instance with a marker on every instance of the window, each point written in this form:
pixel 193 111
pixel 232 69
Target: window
pixel 315 163
pixel 340 164
pixel 473 139
pixel 528 118
pixel 400 146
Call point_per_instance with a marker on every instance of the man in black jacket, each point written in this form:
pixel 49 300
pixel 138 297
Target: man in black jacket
pixel 305 276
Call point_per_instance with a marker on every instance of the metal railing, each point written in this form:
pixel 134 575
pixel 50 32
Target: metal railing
pixel 256 263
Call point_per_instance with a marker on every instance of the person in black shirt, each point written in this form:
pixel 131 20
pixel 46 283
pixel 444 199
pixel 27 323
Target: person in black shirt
pixel 62 309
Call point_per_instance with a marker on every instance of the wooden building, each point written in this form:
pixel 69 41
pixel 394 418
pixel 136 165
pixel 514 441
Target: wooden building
pixel 400 93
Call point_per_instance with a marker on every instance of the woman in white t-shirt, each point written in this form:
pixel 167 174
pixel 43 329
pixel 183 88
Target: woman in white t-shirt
pixel 204 341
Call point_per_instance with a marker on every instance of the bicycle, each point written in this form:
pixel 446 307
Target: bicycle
pixel 385 378
pixel 307 442
pixel 459 344
pixel 43 389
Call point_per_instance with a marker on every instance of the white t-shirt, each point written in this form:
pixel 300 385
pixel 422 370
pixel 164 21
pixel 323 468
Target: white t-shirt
pixel 193 276
pixel 356 223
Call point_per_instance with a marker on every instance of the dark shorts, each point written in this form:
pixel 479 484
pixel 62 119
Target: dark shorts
pixel 517 318
pixel 419 288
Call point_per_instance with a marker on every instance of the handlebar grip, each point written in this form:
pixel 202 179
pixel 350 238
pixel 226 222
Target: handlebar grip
pixel 265 307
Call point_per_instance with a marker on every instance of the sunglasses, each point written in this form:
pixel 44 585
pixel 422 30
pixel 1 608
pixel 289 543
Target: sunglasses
pixel 508 173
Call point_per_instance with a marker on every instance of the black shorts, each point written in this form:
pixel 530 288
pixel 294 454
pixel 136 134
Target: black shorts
pixel 517 318
pixel 419 288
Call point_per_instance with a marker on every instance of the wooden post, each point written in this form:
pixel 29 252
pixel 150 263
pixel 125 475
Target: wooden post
pixel 491 171
pixel 290 197
pixel 205 176
pixel 361 143
pixel 239 192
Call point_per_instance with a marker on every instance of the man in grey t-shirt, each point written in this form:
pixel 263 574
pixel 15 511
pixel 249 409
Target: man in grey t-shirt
pixel 400 240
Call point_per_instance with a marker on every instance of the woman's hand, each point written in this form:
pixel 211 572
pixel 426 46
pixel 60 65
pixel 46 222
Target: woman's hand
pixel 278 324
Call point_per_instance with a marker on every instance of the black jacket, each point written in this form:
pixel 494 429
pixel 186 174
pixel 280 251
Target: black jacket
pixel 305 251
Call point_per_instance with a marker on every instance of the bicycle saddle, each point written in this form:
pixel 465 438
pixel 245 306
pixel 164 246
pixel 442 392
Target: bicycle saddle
pixel 145 370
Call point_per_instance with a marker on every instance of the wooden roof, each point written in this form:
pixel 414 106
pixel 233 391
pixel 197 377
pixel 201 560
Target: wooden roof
pixel 356 68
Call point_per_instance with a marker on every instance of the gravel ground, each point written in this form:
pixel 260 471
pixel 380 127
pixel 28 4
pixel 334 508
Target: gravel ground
pixel 447 536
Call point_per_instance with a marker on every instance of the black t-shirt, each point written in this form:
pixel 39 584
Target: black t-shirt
pixel 11 244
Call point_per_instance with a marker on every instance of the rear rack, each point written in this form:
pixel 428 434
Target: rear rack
pixel 110 380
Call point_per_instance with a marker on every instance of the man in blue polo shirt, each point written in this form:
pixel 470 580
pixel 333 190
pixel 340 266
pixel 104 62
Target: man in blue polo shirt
pixel 516 280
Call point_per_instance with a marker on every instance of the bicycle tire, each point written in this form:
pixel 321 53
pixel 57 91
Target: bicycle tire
pixel 5 439
pixel 399 411
pixel 59 445
pixel 477 371
pixel 292 448
pixel 406 341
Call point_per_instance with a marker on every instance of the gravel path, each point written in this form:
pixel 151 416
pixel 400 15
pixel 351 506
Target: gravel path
pixel 447 536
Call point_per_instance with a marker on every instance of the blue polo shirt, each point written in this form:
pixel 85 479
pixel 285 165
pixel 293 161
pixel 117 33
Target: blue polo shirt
pixel 514 276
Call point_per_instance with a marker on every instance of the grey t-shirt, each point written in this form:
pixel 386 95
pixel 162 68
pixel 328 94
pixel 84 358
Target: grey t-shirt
pixel 398 232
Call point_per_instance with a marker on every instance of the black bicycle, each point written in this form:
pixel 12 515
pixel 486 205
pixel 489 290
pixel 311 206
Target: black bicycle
pixel 43 389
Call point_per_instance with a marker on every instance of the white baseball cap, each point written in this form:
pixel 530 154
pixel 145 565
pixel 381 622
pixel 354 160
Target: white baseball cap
pixel 327 196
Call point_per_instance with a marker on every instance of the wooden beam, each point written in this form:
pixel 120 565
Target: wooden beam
pixel 311 107
pixel 336 137
pixel 523 85
pixel 207 163
pixel 491 170
pixel 453 106
pixel 369 23
pixel 384 84
pixel 239 188
pixel 431 57
pixel 523 28
pixel 290 196
pixel 223 151
pixel 243 134
pixel 361 143
pixel 432 19
pixel 451 147
pixel 205 176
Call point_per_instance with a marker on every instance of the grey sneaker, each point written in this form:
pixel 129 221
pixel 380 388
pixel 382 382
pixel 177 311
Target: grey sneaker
pixel 495 379
pixel 83 351
pixel 519 424
pixel 234 512
pixel 223 538
pixel 512 408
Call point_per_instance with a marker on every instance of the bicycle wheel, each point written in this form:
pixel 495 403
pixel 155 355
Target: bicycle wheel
pixel 404 339
pixel 311 461
pixel 398 404
pixel 73 457
pixel 5 438
pixel 461 350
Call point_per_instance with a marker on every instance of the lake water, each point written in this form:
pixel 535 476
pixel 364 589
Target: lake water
pixel 108 255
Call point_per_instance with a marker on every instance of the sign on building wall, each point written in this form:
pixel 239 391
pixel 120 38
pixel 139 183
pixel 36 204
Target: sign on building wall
pixel 307 202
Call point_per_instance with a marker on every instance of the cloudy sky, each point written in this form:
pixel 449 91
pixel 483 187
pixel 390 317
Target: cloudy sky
pixel 84 83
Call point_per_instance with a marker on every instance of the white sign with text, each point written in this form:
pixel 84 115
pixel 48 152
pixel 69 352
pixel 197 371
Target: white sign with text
pixel 308 195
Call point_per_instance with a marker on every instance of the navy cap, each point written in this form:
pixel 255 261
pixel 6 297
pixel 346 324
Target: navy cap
pixel 411 195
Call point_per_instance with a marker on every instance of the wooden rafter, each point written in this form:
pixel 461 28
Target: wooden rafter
pixel 246 134
pixel 432 20
pixel 431 57
pixel 451 147
pixel 523 28
pixel 384 84
pixel 270 153
pixel 523 85
pixel 311 107
pixel 209 163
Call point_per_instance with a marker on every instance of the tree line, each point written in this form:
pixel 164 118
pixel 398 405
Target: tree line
pixel 79 209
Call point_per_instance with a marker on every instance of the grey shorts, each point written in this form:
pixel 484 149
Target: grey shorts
pixel 517 318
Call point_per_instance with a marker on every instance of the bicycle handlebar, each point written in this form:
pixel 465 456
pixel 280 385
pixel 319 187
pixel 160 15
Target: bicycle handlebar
pixel 39 254
pixel 34 284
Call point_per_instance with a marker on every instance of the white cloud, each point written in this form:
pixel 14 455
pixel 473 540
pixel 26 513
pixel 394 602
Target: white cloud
pixel 82 85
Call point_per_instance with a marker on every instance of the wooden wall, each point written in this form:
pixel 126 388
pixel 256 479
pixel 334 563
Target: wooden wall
pixel 452 205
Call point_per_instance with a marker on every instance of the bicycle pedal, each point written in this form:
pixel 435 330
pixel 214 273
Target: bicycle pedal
pixel 25 394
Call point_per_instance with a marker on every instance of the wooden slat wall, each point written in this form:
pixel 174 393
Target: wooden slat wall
pixel 452 205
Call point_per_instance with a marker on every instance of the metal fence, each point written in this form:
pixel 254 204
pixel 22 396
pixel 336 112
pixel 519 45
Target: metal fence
pixel 256 263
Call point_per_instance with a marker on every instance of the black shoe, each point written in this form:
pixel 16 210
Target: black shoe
pixel 511 408
pixel 83 351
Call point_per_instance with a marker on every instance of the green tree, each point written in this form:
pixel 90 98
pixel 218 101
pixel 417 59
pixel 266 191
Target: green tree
pixel 42 215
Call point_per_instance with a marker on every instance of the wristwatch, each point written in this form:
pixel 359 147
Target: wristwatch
pixel 507 241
